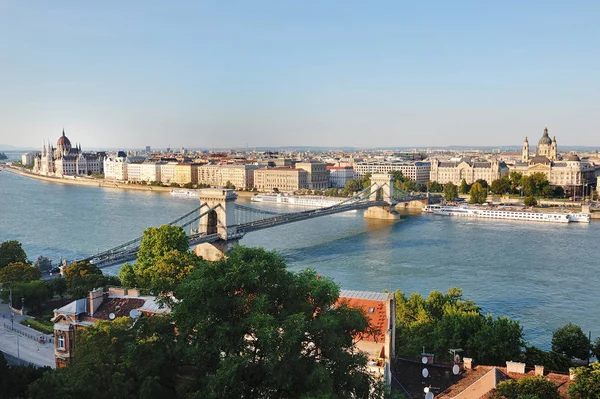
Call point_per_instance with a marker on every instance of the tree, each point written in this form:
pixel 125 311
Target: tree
pixel 530 201
pixel 33 293
pixel 11 252
pixel 352 186
pixel 586 384
pixel 445 321
pixel 229 185
pixel 515 181
pixel 596 348
pixel 464 187
pixel 82 277
pixel 478 194
pixel 500 186
pixel 434 187
pixel 19 272
pixel 450 191
pixel 256 330
pixel 534 387
pixel 550 360
pixel 14 380
pixel 571 342
pixel 80 270
pixel 483 182
pixel 164 259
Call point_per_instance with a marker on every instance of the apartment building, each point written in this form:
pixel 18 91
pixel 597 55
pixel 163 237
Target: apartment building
pixel 282 179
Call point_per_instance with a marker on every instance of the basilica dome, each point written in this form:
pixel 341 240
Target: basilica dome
pixel 573 157
pixel 545 138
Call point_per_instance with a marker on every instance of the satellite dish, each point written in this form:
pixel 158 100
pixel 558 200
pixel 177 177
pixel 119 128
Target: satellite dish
pixel 425 373
pixel 424 360
pixel 426 389
pixel 134 313
pixel 455 369
pixel 112 316
pixel 429 395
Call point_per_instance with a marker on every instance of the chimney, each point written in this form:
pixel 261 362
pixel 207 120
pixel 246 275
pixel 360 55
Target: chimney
pixel 134 292
pixel 539 370
pixel 96 298
pixel 515 367
pixel 468 363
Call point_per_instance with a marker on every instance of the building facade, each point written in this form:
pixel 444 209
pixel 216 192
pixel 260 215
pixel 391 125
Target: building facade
pixel 115 168
pixel 455 171
pixel 566 170
pixel 318 175
pixel 280 179
pixel 415 171
pixel 66 160
pixel 340 175
pixel 241 176
pixel 186 173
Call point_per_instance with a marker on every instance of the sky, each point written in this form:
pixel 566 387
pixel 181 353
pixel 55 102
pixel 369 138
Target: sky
pixel 209 74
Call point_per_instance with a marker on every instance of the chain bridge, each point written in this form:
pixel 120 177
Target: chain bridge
pixel 219 222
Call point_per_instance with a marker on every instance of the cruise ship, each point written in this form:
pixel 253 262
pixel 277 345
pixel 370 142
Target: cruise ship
pixel 507 213
pixel 317 201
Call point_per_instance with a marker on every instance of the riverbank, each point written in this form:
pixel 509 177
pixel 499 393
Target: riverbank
pixel 92 182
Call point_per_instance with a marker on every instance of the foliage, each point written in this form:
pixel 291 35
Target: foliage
pixel 515 181
pixel 79 270
pixel 19 272
pixel 117 360
pixel 164 260
pixel 33 293
pixel 483 182
pixel 188 185
pixel 571 342
pixel 229 185
pixel 478 194
pixel 596 348
pixel 174 185
pixel 500 186
pixel 41 325
pixel 58 286
pixel 450 191
pixel 245 327
pixel 445 321
pixel 273 332
pixel 530 201
pixel 534 387
pixel 464 187
pixel 11 252
pixel 14 380
pixel 434 187
pixel 82 277
pixel 586 384
pixel 550 360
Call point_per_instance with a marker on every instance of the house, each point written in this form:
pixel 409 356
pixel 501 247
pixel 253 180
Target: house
pixel 98 305
pixel 379 344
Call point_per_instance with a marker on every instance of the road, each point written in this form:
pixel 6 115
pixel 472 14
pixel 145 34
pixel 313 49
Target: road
pixel 28 349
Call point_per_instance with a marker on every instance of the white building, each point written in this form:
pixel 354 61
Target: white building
pixel 115 168
pixel 28 158
pixel 134 171
pixel 167 172
pixel 150 171
pixel 470 170
pixel 340 175
pixel 241 176
pixel 415 171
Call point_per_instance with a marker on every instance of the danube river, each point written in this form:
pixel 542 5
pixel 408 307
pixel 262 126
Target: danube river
pixel 544 275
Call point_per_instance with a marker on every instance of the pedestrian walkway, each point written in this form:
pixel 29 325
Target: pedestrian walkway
pixel 24 343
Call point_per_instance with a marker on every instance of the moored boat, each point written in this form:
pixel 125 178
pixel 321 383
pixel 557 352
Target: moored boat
pixel 503 213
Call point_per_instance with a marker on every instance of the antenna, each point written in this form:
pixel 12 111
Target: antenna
pixel 112 316
pixel 134 313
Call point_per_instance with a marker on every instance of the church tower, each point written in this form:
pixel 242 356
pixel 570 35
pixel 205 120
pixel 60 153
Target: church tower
pixel 525 154
pixel 553 149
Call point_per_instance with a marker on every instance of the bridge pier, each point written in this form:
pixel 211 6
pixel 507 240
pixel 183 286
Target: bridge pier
pixel 381 212
pixel 383 191
pixel 214 251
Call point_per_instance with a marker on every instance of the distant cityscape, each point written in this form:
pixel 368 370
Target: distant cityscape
pixel 317 171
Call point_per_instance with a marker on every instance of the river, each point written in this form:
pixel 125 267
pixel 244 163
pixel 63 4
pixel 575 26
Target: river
pixel 544 275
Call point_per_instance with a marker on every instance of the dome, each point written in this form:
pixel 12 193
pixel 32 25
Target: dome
pixel 573 157
pixel 63 141
pixel 540 159
pixel 545 138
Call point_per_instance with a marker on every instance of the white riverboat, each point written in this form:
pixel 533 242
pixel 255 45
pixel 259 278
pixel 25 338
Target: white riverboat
pixel 507 213
pixel 317 201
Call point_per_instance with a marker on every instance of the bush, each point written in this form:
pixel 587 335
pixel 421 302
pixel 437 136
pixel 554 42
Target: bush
pixel 530 201
pixel 43 326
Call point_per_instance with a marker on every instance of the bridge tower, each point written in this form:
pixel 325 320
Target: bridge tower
pixel 219 220
pixel 383 187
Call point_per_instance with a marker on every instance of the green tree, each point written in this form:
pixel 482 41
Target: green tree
pixel 586 384
pixel 14 380
pixel 478 194
pixel 256 330
pixel 229 185
pixel 445 321
pixel 534 387
pixel 483 182
pixel 11 252
pixel 500 186
pixel 58 286
pixel 352 186
pixel 571 342
pixel 550 360
pixel 19 272
pixel 82 277
pixel 515 181
pixel 164 259
pixel 366 180
pixel 464 187
pixel 529 201
pixel 80 270
pixel 33 293
pixel 596 348
pixel 450 191
pixel 434 187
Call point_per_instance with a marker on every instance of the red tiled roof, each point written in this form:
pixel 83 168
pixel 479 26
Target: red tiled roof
pixel 375 312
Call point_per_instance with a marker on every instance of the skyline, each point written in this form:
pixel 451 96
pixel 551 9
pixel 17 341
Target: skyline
pixel 268 74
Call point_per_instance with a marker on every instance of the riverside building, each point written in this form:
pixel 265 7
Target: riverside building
pixel 447 171
pixel 280 179
pixel 318 175
pixel 340 175
pixel 415 171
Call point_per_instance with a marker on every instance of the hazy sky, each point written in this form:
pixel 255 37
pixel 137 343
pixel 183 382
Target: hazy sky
pixel 322 73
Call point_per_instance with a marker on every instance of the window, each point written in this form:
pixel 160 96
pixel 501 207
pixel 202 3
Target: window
pixel 61 342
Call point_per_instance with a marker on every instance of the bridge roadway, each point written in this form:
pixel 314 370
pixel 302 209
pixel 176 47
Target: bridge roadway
pixel 130 253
